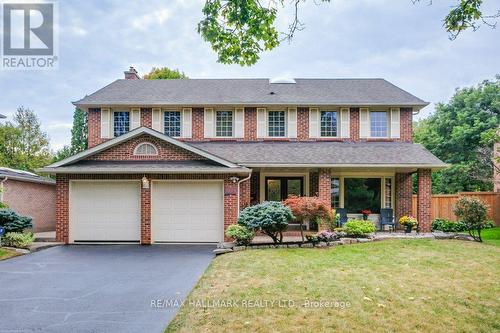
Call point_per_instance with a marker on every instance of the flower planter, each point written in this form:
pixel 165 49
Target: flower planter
pixel 408 229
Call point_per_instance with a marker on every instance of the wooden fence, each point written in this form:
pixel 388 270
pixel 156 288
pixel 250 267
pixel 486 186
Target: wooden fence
pixel 442 204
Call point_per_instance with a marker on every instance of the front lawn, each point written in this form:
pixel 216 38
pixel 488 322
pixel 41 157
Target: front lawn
pixel 394 285
pixel 491 236
pixel 7 253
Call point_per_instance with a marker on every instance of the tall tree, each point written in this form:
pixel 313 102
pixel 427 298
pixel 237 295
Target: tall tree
pixel 164 73
pixel 23 144
pixel 239 30
pixel 79 132
pixel 459 133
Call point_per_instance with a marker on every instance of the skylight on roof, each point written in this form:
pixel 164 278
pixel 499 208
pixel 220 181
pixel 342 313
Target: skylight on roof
pixel 282 80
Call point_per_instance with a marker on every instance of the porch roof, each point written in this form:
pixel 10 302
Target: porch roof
pixel 324 154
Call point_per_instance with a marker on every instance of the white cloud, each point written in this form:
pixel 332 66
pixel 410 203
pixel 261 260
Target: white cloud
pixel 146 21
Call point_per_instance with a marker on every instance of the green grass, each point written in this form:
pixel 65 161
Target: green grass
pixel 6 253
pixel 395 285
pixel 491 236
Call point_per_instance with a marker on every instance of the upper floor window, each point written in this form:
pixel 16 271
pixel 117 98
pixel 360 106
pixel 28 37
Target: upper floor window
pixel 378 124
pixel 276 123
pixel 172 123
pixel 328 123
pixel 145 149
pixel 121 122
pixel 224 124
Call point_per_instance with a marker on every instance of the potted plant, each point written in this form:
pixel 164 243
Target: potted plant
pixel 366 213
pixel 408 222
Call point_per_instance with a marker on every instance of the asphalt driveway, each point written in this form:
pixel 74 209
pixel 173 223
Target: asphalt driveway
pixel 98 288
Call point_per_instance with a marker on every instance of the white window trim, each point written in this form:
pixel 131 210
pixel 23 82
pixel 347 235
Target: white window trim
pixel 286 123
pixel 337 111
pixel 162 121
pixel 232 124
pixel 264 174
pixel 136 149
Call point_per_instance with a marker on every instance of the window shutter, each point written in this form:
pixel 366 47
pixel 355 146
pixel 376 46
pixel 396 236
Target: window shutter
pixel 209 122
pixel 292 122
pixel 344 123
pixel 135 118
pixel 313 122
pixel 261 122
pixel 186 123
pixel 395 123
pixel 239 122
pixel 105 123
pixel 364 123
pixel 156 120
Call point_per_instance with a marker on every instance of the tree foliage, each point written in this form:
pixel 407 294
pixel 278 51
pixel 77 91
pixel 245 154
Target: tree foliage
pixel 79 136
pixel 240 30
pixel 305 209
pixel 23 144
pixel 462 132
pixel 164 73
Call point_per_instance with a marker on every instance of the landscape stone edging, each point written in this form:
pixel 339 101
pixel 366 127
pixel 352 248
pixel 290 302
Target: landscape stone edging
pixel 231 247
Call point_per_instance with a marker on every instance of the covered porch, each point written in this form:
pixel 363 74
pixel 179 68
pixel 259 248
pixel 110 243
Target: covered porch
pixel 351 189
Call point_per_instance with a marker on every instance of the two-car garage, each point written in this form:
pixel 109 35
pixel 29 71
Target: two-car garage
pixel 181 211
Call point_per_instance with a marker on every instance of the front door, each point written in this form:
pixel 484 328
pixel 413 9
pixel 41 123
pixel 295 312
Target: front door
pixel 280 188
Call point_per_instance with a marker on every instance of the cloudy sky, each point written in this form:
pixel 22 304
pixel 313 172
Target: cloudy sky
pixel 396 40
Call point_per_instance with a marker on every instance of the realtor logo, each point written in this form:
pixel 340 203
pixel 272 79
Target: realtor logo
pixel 29 36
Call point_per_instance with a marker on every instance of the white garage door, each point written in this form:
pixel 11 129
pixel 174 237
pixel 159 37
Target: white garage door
pixel 187 212
pixel 105 211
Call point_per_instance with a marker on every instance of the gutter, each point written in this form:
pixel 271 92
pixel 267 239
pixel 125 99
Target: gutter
pixel 239 182
pixel 62 170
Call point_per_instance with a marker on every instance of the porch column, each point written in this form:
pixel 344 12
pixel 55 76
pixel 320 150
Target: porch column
pixel 146 214
pixel 324 186
pixel 404 192
pixel 424 199
pixel 230 204
pixel 62 209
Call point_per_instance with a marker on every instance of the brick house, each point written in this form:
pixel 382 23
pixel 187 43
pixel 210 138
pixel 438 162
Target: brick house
pixel 31 195
pixel 175 160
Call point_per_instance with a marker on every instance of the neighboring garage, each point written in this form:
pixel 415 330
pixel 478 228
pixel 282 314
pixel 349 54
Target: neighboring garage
pixel 185 211
pixel 105 211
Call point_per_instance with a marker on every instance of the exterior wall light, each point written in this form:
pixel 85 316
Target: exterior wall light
pixel 234 179
pixel 145 182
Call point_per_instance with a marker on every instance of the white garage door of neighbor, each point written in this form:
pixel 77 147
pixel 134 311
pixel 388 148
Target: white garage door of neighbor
pixel 105 211
pixel 187 212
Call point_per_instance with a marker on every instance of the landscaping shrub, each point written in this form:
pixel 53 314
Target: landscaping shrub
pixel 330 221
pixel 270 217
pixel 241 234
pixel 306 209
pixel 327 236
pixel 12 222
pixel 472 212
pixel 3 205
pixel 448 225
pixel 18 239
pixel 359 228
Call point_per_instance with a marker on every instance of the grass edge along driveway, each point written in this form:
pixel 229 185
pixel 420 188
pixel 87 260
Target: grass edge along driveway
pixel 393 285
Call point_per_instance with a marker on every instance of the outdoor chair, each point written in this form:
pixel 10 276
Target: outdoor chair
pixel 387 218
pixel 343 216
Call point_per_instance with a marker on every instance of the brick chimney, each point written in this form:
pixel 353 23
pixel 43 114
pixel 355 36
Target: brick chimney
pixel 131 74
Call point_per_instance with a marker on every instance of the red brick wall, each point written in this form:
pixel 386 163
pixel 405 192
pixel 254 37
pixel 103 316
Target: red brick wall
pixel 303 123
pixel 198 120
pixel 147 117
pixel 32 199
pixel 404 192
pixel 94 125
pixel 245 194
pixel 62 206
pixel 250 124
pixel 324 186
pixel 424 199
pixel 406 124
pixel 166 151
pixel 354 124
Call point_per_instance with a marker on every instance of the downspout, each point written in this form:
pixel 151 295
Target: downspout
pixel 1 188
pixel 239 182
